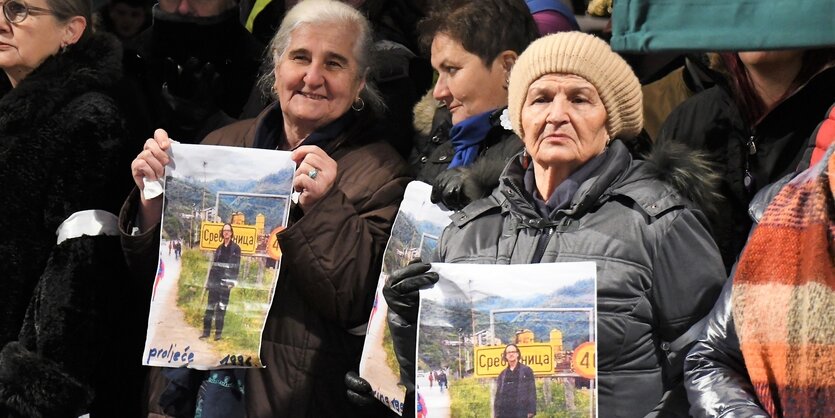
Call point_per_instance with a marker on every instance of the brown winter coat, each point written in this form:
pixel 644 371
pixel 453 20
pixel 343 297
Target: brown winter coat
pixel 331 261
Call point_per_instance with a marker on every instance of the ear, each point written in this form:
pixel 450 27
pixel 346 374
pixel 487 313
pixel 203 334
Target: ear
pixel 363 77
pixel 507 59
pixel 73 30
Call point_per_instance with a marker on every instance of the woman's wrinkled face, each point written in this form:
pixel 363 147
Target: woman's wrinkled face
pixel 318 76
pixel 25 45
pixel 563 121
pixel 465 85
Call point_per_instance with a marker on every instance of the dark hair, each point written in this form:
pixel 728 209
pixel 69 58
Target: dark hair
pixel 484 28
pixel 66 9
pixel 504 353
pixel 750 105
pixel 231 229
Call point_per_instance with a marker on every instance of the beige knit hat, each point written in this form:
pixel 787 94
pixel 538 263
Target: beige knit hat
pixel 591 58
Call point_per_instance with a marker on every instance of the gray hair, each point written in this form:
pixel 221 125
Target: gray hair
pixel 64 10
pixel 320 12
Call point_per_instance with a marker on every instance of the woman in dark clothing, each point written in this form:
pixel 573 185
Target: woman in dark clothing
pixel 71 319
pixel 462 149
pixel 756 127
pixel 576 194
pixel 350 183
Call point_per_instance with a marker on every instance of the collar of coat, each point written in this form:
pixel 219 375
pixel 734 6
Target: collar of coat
pixel 670 176
pixel 94 64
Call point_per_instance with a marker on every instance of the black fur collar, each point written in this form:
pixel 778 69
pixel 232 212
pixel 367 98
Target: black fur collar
pixel 94 64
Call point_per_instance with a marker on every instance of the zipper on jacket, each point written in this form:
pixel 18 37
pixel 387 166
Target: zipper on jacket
pixel 751 148
pixel 541 244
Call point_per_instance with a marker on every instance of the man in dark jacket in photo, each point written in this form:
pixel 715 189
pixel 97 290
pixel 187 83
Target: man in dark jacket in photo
pixel 515 387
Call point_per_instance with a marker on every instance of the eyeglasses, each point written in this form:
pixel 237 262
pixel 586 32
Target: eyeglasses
pixel 16 11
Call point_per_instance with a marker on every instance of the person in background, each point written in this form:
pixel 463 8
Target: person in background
pixel 464 137
pixel 552 16
pixel 68 302
pixel 767 346
pixel 755 124
pixel 350 182
pixel 197 67
pixel 126 19
pixel 576 194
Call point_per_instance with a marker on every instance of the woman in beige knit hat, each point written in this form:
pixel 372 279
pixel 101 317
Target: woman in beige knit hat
pixel 576 194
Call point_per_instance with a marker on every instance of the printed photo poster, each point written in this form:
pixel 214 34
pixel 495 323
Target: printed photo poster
pixel 414 234
pixel 218 255
pixel 508 341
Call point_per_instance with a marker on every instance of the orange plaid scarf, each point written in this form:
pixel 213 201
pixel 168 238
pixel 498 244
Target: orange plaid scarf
pixel 784 298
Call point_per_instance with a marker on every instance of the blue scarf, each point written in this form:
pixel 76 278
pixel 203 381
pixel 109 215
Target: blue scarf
pixel 466 136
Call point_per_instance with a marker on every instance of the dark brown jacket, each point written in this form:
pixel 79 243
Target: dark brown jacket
pixel 331 261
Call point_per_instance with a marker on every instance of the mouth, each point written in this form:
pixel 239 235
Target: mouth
pixel 312 96
pixel 556 137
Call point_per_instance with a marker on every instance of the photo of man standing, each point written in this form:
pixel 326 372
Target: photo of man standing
pixel 223 276
pixel 515 388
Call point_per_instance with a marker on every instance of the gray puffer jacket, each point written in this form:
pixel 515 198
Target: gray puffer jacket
pixel 658 270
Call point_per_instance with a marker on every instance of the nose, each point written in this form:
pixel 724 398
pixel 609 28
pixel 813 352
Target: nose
pixel 557 112
pixel 313 77
pixel 441 90
pixel 184 8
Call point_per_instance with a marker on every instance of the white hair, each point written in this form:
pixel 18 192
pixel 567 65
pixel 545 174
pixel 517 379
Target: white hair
pixel 321 12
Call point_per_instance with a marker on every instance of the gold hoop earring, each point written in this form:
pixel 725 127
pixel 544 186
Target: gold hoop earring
pixel 358 107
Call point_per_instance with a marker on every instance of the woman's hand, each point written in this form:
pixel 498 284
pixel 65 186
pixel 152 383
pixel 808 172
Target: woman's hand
pixel 315 174
pixel 150 164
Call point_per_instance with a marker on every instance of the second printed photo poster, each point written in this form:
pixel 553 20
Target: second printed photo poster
pixel 508 341
pixel 414 234
pixel 218 256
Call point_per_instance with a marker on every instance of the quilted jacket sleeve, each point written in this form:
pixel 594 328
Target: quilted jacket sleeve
pixel 714 371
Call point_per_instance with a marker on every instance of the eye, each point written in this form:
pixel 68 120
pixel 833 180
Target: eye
pixel 300 58
pixel 334 64
pixel 450 70
pixel 580 99
pixel 14 9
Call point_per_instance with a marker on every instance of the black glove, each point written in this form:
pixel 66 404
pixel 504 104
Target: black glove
pixel 402 296
pixel 359 391
pixel 361 395
pixel 448 188
pixel 190 96
pixel 402 289
pixel 459 186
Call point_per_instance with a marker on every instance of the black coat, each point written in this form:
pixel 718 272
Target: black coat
pixel 191 43
pixel 710 121
pixel 225 266
pixel 515 393
pixel 61 136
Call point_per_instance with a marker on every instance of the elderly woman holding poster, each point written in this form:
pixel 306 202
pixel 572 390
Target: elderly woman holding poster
pixel 350 184
pixel 576 194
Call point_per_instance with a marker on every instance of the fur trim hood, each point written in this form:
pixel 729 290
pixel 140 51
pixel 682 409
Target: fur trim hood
pixel 93 64
pixel 690 172
pixel 424 113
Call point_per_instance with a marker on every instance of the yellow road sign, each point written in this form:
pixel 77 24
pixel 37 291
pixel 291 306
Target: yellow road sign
pixel 538 356
pixel 584 360
pixel 245 236
pixel 273 249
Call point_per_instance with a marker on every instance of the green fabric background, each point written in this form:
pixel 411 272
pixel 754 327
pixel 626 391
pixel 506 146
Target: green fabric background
pixel 714 25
